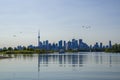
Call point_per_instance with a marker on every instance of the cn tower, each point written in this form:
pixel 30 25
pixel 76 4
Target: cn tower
pixel 39 38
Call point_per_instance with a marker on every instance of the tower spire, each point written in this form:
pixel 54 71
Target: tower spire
pixel 38 38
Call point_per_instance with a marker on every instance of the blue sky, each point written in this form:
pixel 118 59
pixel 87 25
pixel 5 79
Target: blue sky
pixel 58 19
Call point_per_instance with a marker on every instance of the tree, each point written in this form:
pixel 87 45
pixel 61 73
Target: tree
pixel 4 49
pixel 119 46
pixel 15 49
pixel 10 48
pixel 24 48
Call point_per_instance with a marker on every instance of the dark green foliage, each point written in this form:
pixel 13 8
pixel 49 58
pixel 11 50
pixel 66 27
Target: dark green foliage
pixel 115 48
pixel 10 48
pixel 4 49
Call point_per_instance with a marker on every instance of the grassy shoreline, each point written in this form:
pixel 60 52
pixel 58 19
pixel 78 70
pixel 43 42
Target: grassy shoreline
pixel 44 51
pixel 26 52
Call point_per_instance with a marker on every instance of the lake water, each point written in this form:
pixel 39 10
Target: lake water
pixel 68 66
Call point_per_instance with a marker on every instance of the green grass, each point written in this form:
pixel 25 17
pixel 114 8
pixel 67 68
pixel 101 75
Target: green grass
pixel 26 52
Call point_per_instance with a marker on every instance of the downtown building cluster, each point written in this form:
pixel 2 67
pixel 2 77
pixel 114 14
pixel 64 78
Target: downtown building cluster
pixel 63 45
pixel 73 45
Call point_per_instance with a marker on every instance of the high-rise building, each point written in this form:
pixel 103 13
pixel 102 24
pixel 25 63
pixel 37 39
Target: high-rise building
pixel 96 46
pixel 69 45
pixel 101 45
pixel 80 43
pixel 47 45
pixel 64 45
pixel 73 43
pixel 110 44
pixel 76 44
pixel 60 44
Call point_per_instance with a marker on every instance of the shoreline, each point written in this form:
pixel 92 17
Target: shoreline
pixel 3 57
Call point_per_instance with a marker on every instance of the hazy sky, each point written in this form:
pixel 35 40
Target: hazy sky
pixel 59 20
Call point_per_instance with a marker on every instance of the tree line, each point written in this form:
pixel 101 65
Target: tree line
pixel 115 48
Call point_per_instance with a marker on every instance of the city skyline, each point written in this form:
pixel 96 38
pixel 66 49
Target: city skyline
pixel 75 45
pixel 71 45
pixel 90 20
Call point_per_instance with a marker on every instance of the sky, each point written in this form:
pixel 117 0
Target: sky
pixel 20 21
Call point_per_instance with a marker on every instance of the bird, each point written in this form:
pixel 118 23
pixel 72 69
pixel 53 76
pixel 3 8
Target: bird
pixel 83 26
pixel 87 27
pixel 14 35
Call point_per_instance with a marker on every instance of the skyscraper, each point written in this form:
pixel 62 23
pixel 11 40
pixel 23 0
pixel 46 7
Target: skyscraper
pixel 80 44
pixel 64 45
pixel 60 44
pixel 110 44
pixel 101 45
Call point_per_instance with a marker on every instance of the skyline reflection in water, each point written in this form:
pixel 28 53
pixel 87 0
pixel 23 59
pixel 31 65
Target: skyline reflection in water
pixel 77 60
pixel 68 66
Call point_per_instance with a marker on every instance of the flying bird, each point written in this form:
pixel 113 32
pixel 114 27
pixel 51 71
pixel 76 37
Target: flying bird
pixel 86 27
pixel 83 26
pixel 14 35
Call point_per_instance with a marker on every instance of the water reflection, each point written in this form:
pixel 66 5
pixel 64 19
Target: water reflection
pixel 77 66
pixel 74 60
pixel 24 56
pixel 69 60
pixel 77 60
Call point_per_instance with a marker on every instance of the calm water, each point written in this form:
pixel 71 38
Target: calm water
pixel 69 66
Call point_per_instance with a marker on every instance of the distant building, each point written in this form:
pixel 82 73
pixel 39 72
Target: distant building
pixel 31 47
pixel 65 45
pixel 101 45
pixel 96 46
pixel 69 45
pixel 60 44
pixel 80 43
pixel 0 49
pixel 110 44
pixel 20 47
